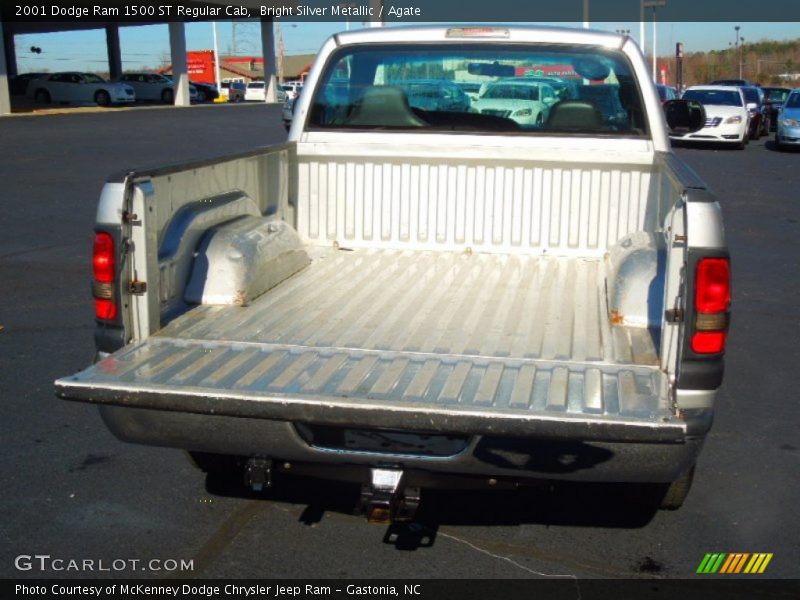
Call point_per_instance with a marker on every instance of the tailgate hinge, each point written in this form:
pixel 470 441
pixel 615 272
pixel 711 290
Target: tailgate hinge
pixel 130 218
pixel 673 315
pixel 137 288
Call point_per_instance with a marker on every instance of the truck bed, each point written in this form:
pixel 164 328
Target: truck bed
pixel 426 340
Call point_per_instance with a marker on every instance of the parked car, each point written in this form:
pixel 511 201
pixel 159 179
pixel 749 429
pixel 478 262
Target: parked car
pixel 233 91
pixel 287 111
pixel 402 303
pixel 80 88
pixel 206 92
pixel 18 84
pixel 256 91
pixel 759 113
pixel 666 92
pixel 434 95
pixel 735 82
pixel 565 89
pixel 727 118
pixel 788 128
pixel 292 89
pixel 524 102
pixel 470 88
pixel 774 98
pixel 154 87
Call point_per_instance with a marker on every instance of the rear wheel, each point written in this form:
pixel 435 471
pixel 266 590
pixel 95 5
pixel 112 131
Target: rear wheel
pixel 167 96
pixel 201 96
pixel 677 491
pixel 42 97
pixel 102 98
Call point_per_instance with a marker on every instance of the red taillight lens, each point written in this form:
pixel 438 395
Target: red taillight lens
pixel 712 299
pixel 713 285
pixel 105 309
pixel 103 258
pixel 104 266
pixel 708 342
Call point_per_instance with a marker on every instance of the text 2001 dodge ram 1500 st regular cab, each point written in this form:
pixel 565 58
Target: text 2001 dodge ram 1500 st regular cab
pixel 397 294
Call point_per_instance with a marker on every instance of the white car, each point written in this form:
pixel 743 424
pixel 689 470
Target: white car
pixel 292 89
pixel 256 91
pixel 727 118
pixel 154 87
pixel 525 102
pixel 80 88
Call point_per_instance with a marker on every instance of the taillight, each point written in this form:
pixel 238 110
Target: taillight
pixel 104 266
pixel 712 299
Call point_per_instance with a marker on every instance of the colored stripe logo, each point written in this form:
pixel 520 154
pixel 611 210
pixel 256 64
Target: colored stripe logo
pixel 735 563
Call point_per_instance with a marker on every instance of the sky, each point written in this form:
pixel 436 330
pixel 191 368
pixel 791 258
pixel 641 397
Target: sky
pixel 148 46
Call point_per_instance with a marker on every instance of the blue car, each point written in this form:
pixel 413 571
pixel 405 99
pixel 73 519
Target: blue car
pixel 788 132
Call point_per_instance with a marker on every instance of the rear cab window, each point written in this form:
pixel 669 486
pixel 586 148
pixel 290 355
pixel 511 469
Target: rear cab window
pixel 525 89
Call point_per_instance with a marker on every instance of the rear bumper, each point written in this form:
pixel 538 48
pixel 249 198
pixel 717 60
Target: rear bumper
pixel 522 457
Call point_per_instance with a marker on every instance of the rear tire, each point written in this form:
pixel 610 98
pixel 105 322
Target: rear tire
pixel 42 97
pixel 677 491
pixel 201 96
pixel 102 98
pixel 168 96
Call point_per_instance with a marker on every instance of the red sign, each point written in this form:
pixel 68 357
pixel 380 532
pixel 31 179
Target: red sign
pixel 200 64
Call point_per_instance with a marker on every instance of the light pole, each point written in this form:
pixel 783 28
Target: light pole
pixel 649 4
pixel 736 50
pixel 586 14
pixel 741 55
pixel 216 56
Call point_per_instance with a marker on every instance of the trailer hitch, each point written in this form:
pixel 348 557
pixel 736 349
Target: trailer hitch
pixel 386 499
pixel 258 474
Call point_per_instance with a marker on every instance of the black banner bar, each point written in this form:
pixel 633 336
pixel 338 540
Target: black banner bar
pixel 396 11
pixel 563 588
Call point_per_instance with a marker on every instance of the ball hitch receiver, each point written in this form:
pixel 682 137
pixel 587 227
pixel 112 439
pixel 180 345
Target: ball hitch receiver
pixel 386 499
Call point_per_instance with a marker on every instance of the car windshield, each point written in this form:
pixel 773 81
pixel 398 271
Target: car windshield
pixel 513 91
pixel 91 78
pixel 793 101
pixel 714 97
pixel 751 95
pixel 256 84
pixel 776 95
pixel 371 87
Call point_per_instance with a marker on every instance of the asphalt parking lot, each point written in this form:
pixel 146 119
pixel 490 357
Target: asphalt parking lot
pixel 73 491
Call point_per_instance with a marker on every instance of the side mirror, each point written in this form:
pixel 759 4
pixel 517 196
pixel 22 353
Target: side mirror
pixel 684 116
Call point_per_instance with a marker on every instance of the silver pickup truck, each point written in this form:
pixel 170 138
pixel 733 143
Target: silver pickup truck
pixel 411 289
